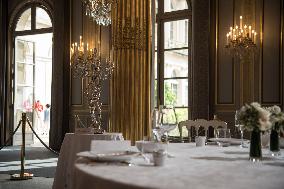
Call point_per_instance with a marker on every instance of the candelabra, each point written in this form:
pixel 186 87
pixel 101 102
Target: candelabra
pixel 86 63
pixel 241 41
pixel 99 10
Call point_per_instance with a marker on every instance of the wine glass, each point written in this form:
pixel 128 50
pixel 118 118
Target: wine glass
pixel 241 128
pixel 168 120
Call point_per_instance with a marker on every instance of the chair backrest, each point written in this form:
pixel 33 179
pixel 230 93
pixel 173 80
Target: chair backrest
pixel 187 124
pixel 217 124
pixel 201 123
pixel 198 123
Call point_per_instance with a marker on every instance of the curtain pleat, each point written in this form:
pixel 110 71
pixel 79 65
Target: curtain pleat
pixel 130 85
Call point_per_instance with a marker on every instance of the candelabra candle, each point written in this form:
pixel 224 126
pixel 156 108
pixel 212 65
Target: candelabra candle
pixel 87 64
pixel 240 40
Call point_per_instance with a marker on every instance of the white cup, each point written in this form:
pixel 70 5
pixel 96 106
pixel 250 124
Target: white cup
pixel 200 141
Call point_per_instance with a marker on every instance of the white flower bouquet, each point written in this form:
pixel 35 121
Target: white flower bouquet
pixel 276 117
pixel 254 117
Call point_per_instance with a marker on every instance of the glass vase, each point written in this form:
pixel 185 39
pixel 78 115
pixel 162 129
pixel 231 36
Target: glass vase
pixel 274 143
pixel 255 153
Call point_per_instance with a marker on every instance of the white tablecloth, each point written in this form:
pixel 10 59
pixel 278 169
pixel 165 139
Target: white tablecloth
pixel 209 167
pixel 72 144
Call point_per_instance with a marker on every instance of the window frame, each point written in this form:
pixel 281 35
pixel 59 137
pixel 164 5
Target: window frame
pixel 33 29
pixel 161 17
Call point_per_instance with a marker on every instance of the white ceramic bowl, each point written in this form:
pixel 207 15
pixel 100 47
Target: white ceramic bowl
pixel 150 146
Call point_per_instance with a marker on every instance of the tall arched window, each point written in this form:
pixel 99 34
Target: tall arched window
pixel 172 52
pixel 31 69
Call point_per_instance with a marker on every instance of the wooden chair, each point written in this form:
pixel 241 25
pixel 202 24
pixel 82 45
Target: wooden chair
pixel 217 124
pixel 187 124
pixel 197 124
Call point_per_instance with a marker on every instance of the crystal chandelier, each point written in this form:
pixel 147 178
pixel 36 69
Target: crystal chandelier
pixel 99 10
pixel 241 41
pixel 86 63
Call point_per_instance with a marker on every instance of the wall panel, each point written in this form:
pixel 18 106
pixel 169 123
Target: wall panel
pixel 257 79
pixel 271 65
pixel 225 64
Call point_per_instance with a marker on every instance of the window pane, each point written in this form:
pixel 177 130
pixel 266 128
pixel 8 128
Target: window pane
pixel 156 36
pixel 176 92
pixel 24 74
pixel 24 100
pixel 156 64
pixel 24 23
pixel 176 63
pixel 155 94
pixel 42 19
pixel 174 5
pixel 182 115
pixel 156 6
pixel 24 52
pixel 176 34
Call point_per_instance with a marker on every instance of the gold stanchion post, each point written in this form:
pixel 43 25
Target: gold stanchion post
pixel 23 175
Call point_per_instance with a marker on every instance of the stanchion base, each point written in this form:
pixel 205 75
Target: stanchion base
pixel 26 176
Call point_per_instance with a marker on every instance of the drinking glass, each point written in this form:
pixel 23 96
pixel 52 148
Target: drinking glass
pixel 241 129
pixel 168 121
pixel 223 136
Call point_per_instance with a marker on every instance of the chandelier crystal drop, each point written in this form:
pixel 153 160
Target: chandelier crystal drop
pixel 241 40
pixel 99 10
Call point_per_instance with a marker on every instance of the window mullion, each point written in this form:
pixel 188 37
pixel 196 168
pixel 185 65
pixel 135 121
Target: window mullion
pixel 33 17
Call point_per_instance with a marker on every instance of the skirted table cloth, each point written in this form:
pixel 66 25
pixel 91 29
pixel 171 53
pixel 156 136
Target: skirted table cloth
pixel 72 144
pixel 210 167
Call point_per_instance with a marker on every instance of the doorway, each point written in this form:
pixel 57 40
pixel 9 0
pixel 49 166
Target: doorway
pixel 32 73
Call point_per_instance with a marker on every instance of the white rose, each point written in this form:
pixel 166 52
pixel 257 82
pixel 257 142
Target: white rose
pixel 255 105
pixel 264 119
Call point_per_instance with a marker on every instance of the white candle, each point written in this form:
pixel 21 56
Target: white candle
pixel 233 32
pixel 250 31
pixel 80 40
pixel 245 31
pixel 227 39
pixel 241 22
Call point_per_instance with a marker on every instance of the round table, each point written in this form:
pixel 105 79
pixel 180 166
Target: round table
pixel 191 167
pixel 72 144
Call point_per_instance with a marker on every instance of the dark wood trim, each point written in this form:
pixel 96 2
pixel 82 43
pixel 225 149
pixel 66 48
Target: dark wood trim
pixel 33 32
pixel 174 49
pixel 282 51
pixel 66 70
pixel 212 57
pixel 4 132
pixel 33 17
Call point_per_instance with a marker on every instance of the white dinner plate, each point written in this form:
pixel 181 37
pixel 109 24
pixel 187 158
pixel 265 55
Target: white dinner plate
pixel 233 141
pixel 119 156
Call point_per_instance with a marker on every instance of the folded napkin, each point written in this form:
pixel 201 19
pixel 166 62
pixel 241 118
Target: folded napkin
pixel 108 146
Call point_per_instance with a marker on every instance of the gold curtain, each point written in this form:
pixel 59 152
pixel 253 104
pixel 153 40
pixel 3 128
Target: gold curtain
pixel 130 86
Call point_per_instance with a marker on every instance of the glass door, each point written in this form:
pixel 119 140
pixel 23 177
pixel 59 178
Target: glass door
pixel 24 85
pixel 32 91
